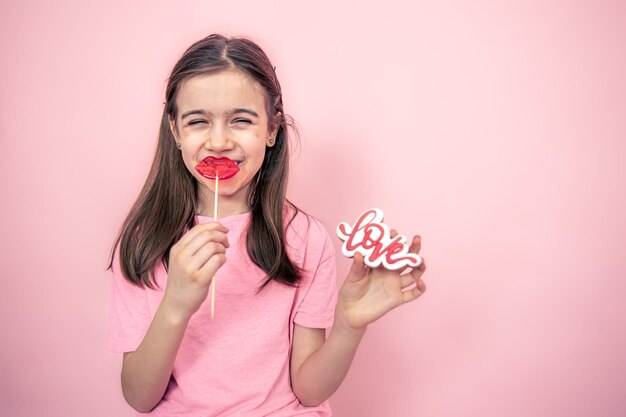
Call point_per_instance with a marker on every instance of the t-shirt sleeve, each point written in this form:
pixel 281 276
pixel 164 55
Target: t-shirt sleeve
pixel 129 314
pixel 317 309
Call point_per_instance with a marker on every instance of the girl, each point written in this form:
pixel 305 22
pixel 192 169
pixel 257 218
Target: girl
pixel 265 353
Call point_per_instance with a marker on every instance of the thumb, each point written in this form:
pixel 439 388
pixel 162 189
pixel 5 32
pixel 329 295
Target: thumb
pixel 358 269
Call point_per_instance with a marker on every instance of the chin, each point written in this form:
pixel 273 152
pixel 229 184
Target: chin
pixel 228 190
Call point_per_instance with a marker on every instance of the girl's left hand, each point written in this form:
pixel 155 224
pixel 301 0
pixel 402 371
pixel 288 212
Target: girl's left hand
pixel 369 293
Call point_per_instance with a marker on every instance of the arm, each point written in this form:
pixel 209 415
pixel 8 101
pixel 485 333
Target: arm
pixel 146 371
pixel 193 261
pixel 319 366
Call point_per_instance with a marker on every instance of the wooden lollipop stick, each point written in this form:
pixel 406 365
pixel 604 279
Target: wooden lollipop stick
pixel 217 184
pixel 214 219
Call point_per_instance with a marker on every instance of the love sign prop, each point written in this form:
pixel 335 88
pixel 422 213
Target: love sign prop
pixel 372 238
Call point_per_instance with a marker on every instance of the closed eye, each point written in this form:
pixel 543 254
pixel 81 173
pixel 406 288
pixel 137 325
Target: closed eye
pixel 242 120
pixel 195 122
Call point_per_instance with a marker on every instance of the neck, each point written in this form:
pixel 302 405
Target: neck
pixel 227 205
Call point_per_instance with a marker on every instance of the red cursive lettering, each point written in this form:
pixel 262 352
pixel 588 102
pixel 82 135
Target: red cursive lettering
pixel 372 238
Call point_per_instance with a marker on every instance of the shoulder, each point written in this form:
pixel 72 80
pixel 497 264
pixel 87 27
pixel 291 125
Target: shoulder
pixel 304 224
pixel 305 232
pixel 126 275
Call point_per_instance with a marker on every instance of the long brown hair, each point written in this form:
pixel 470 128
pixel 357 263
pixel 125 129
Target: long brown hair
pixel 167 203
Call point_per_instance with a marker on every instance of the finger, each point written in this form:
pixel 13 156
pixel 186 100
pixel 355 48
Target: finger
pixel 203 238
pixel 410 295
pixel 406 271
pixel 210 268
pixel 204 255
pixel 199 229
pixel 417 272
pixel 406 280
pixel 358 269
pixel 416 244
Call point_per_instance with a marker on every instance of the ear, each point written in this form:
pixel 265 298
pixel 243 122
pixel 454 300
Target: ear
pixel 172 127
pixel 274 125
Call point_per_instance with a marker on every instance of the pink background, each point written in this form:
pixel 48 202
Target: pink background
pixel 496 130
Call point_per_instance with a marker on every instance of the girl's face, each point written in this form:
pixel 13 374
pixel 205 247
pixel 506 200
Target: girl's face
pixel 223 114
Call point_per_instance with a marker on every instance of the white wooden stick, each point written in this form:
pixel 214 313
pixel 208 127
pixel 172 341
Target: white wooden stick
pixel 214 219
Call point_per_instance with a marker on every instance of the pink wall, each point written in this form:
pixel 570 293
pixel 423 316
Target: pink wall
pixel 495 131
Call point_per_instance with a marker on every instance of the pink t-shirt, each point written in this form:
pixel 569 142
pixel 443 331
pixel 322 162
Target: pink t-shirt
pixel 236 364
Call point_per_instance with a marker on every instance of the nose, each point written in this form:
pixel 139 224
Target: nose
pixel 218 139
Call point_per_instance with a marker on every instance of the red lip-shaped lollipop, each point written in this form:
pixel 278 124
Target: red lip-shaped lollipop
pixel 212 167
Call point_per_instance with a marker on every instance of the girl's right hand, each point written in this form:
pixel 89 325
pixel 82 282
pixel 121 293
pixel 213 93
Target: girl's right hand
pixel 193 262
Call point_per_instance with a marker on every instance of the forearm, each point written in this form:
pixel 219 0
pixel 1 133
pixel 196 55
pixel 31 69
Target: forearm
pixel 147 370
pixel 322 373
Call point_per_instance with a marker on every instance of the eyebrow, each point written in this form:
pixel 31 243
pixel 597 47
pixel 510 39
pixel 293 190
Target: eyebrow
pixel 233 111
